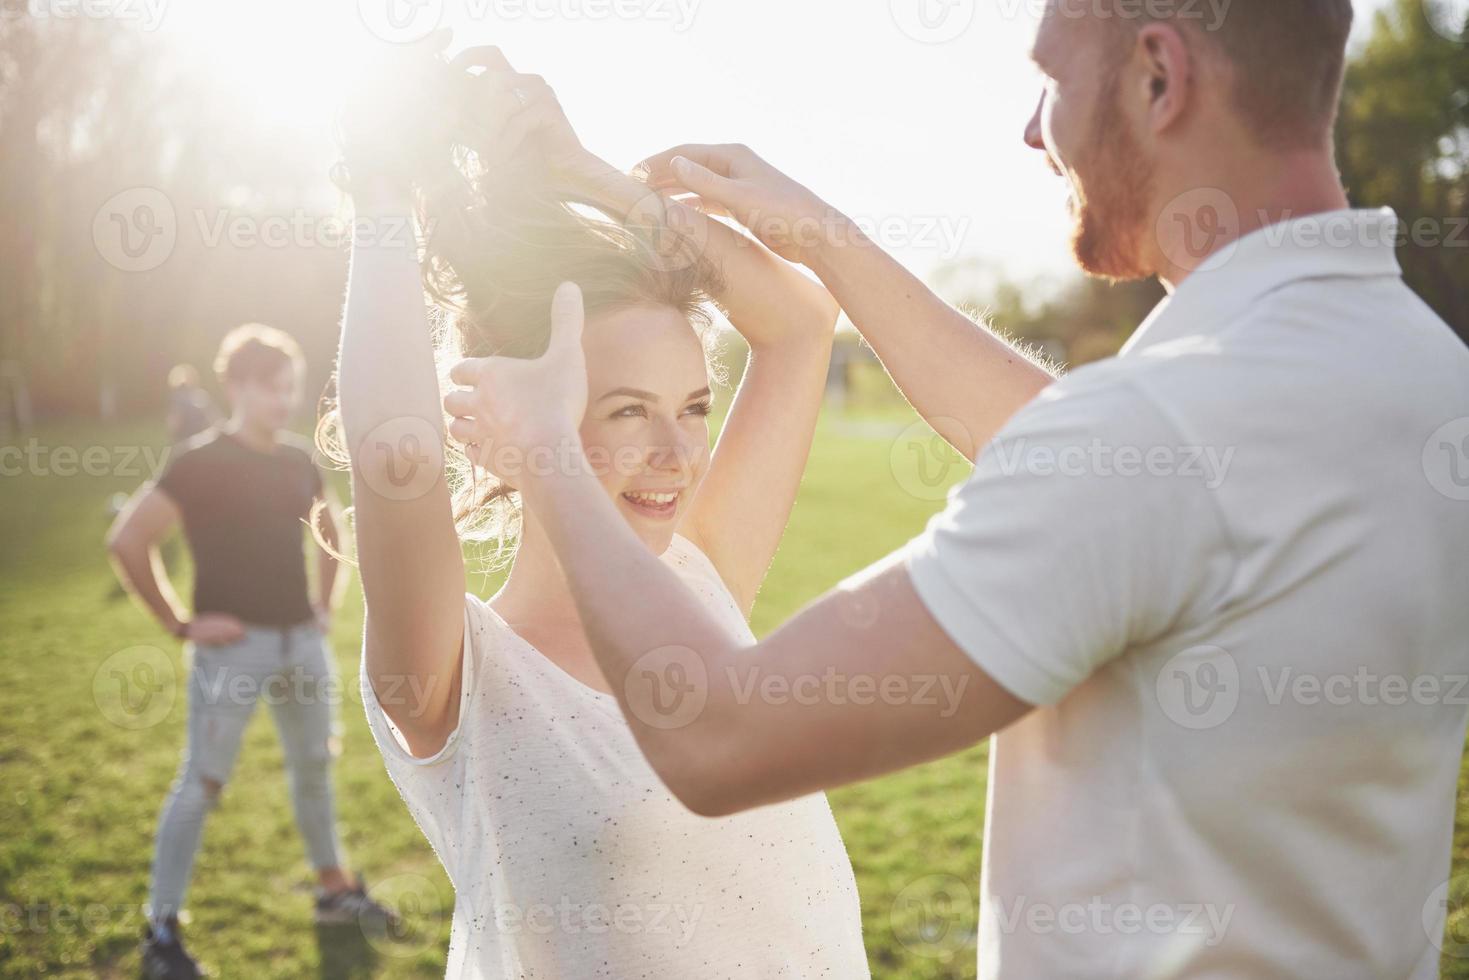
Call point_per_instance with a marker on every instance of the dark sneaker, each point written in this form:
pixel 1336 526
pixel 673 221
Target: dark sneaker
pixel 354 907
pixel 164 956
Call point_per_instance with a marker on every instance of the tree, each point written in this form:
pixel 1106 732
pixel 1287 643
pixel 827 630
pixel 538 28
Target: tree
pixel 1403 142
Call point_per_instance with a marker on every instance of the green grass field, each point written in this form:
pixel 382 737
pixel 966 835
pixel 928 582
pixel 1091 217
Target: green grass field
pixel 86 761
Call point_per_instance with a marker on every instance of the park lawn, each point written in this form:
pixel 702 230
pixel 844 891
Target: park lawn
pixel 82 783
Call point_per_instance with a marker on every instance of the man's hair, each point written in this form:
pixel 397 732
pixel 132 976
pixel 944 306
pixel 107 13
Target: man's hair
pixel 255 352
pixel 1287 58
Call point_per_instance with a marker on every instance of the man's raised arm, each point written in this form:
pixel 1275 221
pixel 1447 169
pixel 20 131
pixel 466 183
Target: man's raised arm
pixel 965 381
pixel 863 682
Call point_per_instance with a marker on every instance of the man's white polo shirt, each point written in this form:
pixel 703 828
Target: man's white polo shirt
pixel 1232 566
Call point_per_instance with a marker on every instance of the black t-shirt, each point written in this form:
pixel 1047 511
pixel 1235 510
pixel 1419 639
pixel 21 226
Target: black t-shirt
pixel 243 511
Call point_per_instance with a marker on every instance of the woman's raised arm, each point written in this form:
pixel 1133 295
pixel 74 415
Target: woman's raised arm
pixel 408 550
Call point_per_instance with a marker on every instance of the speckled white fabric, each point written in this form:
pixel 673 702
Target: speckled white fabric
pixel 570 860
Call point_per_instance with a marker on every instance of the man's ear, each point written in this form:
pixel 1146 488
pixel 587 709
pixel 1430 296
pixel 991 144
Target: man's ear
pixel 1168 74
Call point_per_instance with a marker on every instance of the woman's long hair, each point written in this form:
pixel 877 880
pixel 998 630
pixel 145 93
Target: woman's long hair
pixel 492 253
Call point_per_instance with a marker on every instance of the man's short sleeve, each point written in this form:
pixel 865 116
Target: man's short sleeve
pixel 178 478
pixel 1089 526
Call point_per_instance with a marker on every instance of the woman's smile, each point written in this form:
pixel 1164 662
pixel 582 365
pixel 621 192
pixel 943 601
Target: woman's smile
pixel 659 505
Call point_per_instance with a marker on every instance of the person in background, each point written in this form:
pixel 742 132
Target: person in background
pixel 190 410
pixel 243 491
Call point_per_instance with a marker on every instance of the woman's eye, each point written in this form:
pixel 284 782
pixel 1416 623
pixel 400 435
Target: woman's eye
pixel 631 411
pixel 699 408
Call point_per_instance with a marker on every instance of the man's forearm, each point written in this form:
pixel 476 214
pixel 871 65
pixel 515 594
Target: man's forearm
pixel 645 627
pixel 964 380
pixel 142 574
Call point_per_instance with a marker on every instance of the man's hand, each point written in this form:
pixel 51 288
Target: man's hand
pixel 787 218
pixel 521 410
pixel 215 629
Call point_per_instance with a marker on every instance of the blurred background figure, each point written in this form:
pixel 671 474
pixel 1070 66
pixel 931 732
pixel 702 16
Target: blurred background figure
pixel 241 490
pixel 190 409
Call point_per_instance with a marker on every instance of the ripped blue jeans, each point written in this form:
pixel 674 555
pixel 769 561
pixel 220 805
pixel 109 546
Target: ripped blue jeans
pixel 291 670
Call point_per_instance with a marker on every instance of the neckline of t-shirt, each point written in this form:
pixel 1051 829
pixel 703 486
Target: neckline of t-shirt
pixel 680 547
pixel 601 697
pixel 239 443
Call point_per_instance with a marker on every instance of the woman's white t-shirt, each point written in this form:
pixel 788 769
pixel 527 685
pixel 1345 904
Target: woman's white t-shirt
pixel 571 860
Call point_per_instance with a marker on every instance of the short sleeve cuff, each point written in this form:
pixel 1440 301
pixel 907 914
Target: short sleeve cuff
pixel 390 739
pixel 973 632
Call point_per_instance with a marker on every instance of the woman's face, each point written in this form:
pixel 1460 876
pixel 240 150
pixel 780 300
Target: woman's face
pixel 646 430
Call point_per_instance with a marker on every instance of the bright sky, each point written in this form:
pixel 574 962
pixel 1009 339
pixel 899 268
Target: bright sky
pixel 904 113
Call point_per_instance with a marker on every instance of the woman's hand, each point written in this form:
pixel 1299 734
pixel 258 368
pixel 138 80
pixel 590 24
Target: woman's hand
pixel 399 117
pixel 408 111
pixel 522 416
pixel 515 124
